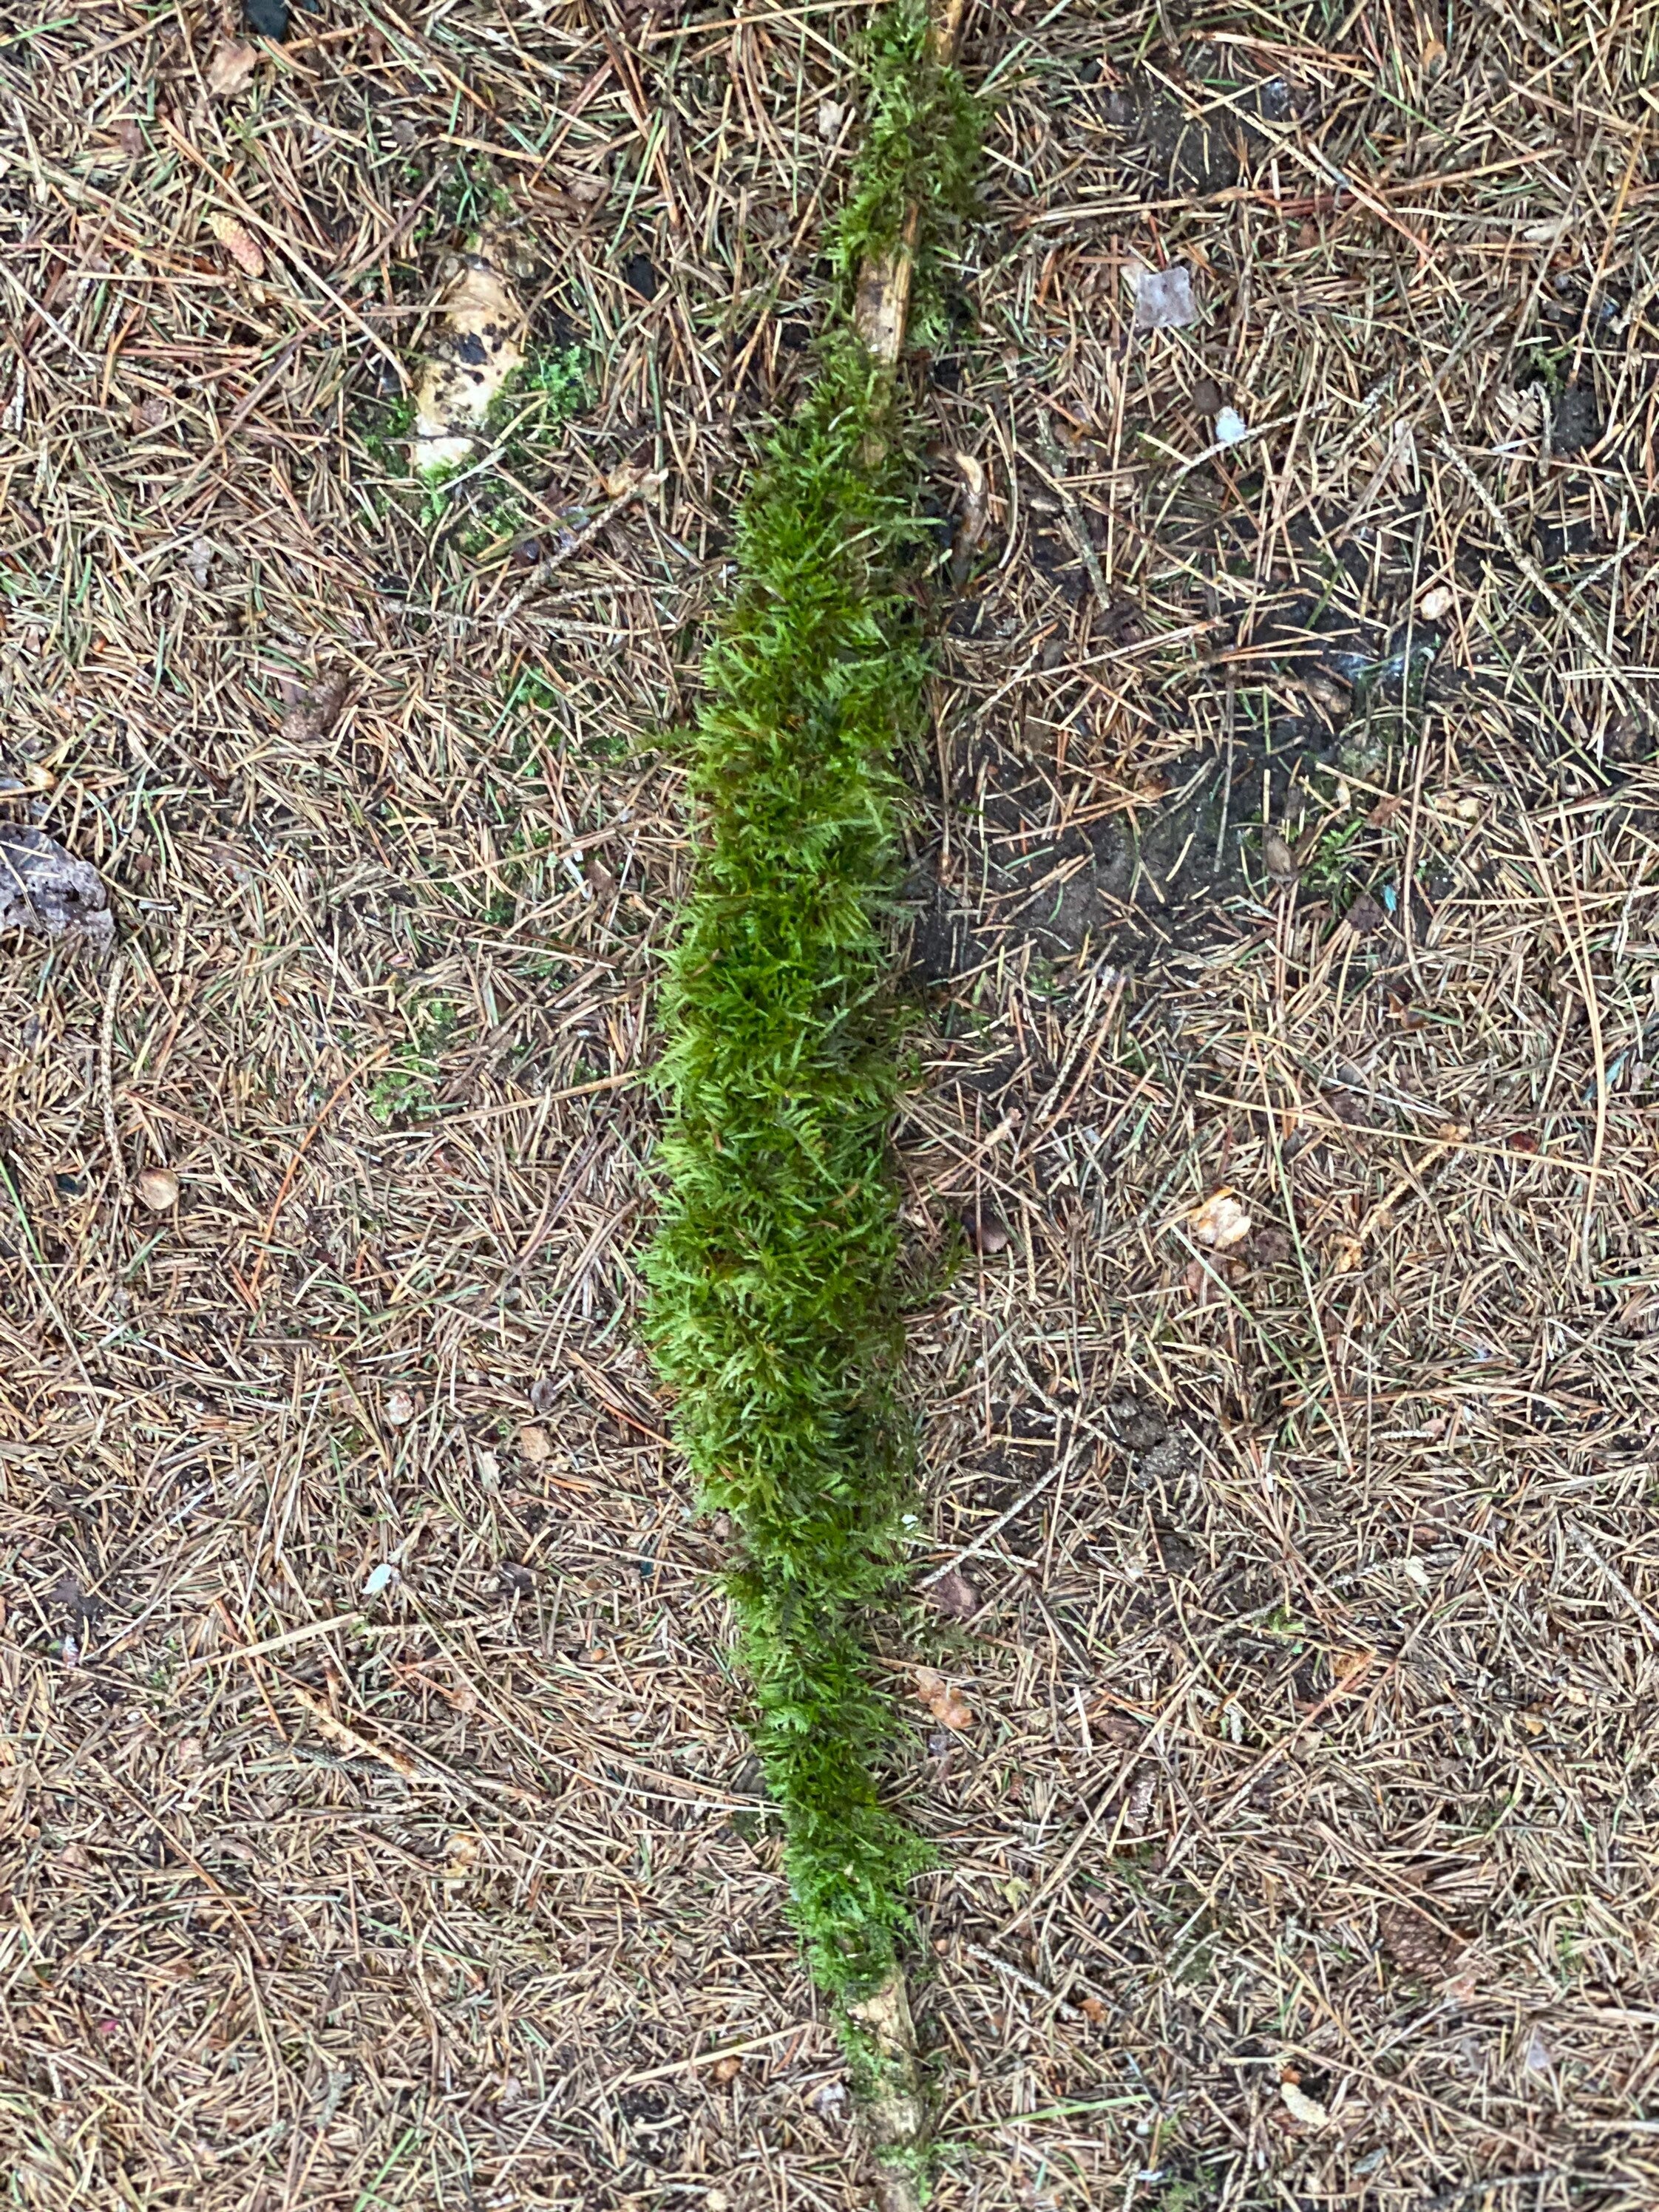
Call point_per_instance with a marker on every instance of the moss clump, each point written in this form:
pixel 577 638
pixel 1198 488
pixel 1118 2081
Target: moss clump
pixel 921 147
pixel 775 1313
pixel 775 1317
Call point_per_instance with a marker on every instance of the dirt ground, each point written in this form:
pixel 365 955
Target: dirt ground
pixel 377 1827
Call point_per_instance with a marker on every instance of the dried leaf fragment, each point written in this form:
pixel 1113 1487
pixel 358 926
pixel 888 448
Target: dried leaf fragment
pixel 944 1700
pixel 159 1189
pixel 459 1862
pixel 315 715
pixel 627 476
pixel 1220 1223
pixel 239 242
pixel 44 890
pixel 1279 858
pixel 1347 1253
pixel 232 65
pixel 954 1594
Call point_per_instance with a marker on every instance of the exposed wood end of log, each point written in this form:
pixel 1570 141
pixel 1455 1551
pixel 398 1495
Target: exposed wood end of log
pixel 894 2111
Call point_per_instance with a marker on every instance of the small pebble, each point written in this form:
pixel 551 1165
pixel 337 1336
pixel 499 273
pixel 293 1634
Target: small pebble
pixel 535 1445
pixel 159 1189
pixel 1435 603
pixel 400 1407
pixel 1281 861
pixel 986 1233
pixel 1207 398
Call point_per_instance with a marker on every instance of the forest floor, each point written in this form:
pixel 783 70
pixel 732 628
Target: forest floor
pixel 376 1823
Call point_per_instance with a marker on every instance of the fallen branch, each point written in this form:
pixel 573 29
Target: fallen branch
pixel 775 1313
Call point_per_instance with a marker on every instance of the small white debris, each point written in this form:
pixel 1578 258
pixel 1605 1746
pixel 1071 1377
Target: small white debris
pixel 400 1407
pixel 1301 2106
pixel 1230 428
pixel 1435 603
pixel 1163 298
pixel 380 1578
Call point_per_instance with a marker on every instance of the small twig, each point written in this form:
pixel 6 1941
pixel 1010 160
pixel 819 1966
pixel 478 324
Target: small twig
pixel 979 1543
pixel 579 542
pixel 1075 521
pixel 700 2058
pixel 1065 2009
pixel 1582 1540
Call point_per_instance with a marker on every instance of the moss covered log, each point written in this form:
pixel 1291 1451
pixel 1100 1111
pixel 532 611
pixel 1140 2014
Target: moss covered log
pixel 775 1309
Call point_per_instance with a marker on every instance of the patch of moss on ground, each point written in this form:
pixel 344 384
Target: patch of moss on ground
pixel 406 1087
pixel 776 1304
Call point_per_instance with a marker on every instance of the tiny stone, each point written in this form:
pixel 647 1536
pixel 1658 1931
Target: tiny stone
pixel 986 1232
pixel 1281 861
pixel 400 1407
pixel 159 1189
pixel 536 1446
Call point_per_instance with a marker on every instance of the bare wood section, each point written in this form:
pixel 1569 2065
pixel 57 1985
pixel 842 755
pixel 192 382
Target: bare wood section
pixel 881 309
pixel 895 2116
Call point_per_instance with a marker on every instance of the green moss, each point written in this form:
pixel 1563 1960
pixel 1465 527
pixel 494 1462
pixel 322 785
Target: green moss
pixel 921 147
pixel 469 197
pixel 775 1305
pixel 407 1086
pixel 776 1316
